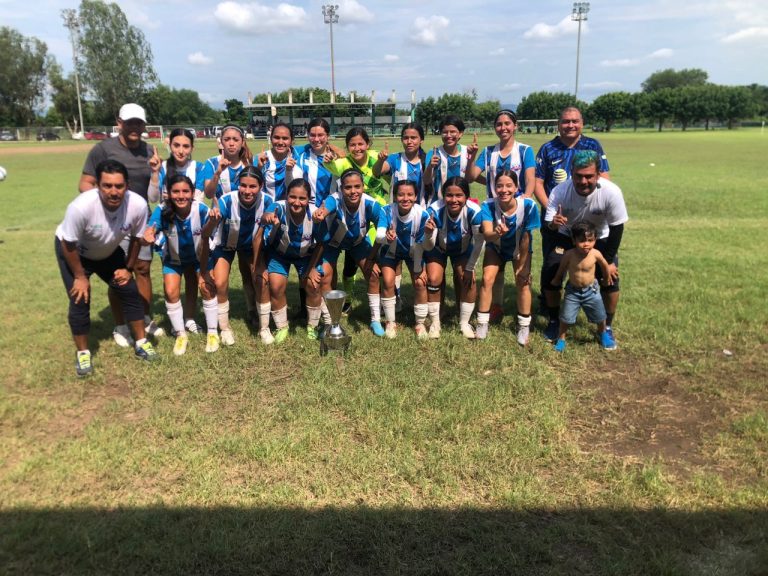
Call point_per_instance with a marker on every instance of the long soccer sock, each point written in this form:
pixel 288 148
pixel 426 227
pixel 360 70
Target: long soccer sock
pixel 433 309
pixel 313 315
pixel 211 312
pixel 523 320
pixel 223 311
pixel 280 317
pixel 609 318
pixel 326 314
pixel 465 312
pixel 176 316
pixel 374 303
pixel 398 281
pixel 389 308
pixel 420 312
pixel 554 313
pixel 483 317
pixel 264 310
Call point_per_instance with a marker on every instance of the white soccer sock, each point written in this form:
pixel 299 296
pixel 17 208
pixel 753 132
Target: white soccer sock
pixel 434 312
pixel 523 321
pixel 374 303
pixel 176 316
pixel 223 312
pixel 398 280
pixel 313 316
pixel 389 308
pixel 280 317
pixel 465 313
pixel 326 313
pixel 483 317
pixel 498 289
pixel 420 312
pixel 264 310
pixel 211 313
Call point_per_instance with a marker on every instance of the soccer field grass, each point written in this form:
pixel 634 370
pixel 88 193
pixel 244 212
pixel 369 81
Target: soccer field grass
pixel 438 457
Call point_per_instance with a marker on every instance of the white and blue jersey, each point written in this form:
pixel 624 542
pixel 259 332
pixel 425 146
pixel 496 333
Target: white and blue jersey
pixel 491 162
pixel 292 240
pixel 180 240
pixel 553 161
pixel 449 167
pixel 276 179
pixel 454 236
pixel 346 229
pixel 409 230
pixel 313 171
pixel 239 223
pixel 401 169
pixel 524 219
pixel 229 180
pixel 192 170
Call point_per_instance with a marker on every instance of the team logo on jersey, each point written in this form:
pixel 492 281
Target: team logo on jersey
pixel 125 227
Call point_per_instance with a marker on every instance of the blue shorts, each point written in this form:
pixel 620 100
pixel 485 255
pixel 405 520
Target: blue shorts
pixel 228 255
pixel 357 253
pixel 178 269
pixel 436 255
pixel 587 298
pixel 278 264
pixel 392 262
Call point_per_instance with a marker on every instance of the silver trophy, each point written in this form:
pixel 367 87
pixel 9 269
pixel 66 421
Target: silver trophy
pixel 334 339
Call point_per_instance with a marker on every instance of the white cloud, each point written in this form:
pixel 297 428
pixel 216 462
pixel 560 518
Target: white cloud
pixel 429 31
pixel 754 32
pixel 514 87
pixel 254 17
pixel 199 59
pixel 660 54
pixel 391 57
pixel 351 11
pixel 497 52
pixel 543 31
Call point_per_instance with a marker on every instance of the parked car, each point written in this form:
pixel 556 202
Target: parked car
pixel 96 135
pixel 7 136
pixel 48 137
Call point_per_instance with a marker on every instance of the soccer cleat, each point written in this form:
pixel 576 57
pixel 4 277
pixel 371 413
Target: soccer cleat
pixel 421 332
pixel 266 336
pixel 281 334
pixel 434 330
pixel 481 332
pixel 212 342
pixel 391 330
pixel 377 328
pixel 152 329
pixel 83 366
pixel 180 347
pixel 560 345
pixel 552 331
pixel 145 352
pixel 607 341
pixel 312 333
pixel 227 337
pixel 522 335
pixel 467 331
pixel 497 313
pixel 192 327
pixel 122 336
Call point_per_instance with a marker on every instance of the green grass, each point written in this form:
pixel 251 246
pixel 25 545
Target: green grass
pixel 443 457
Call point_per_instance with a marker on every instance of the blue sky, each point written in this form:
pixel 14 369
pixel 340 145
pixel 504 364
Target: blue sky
pixel 501 49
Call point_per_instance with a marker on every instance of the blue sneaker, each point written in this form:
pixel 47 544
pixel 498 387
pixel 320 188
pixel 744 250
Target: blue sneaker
pixel 607 341
pixel 377 329
pixel 552 331
pixel 145 352
pixel 560 345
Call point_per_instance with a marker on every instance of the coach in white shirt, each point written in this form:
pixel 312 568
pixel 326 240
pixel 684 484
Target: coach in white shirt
pixel 88 242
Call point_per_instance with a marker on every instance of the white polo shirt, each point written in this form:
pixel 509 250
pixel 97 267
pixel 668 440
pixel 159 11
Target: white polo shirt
pixel 604 207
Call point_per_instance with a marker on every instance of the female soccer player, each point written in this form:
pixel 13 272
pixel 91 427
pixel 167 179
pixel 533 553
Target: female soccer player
pixel 221 173
pixel 507 223
pixel 453 231
pixel 279 164
pixel 241 214
pixel 400 234
pixel 313 155
pixel 291 238
pixel 347 223
pixel 449 160
pixel 179 227
pixel 405 165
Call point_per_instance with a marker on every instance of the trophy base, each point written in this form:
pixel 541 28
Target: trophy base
pixel 335 345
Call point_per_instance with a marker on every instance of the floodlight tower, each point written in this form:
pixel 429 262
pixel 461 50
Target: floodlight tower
pixel 71 22
pixel 579 14
pixel 331 17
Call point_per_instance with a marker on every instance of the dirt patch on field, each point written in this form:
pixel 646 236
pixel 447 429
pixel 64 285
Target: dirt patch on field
pixel 639 411
pixel 44 149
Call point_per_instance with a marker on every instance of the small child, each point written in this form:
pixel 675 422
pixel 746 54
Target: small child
pixel 583 289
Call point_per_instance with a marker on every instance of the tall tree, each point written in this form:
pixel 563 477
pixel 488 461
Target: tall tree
pixel 64 99
pixel 637 108
pixel 671 78
pixel 116 60
pixel 661 105
pixel 547 106
pixel 166 105
pixel 609 108
pixel 23 69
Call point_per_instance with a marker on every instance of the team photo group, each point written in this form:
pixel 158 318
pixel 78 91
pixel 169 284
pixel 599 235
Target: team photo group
pixel 303 206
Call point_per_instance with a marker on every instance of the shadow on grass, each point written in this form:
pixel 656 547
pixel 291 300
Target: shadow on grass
pixel 374 541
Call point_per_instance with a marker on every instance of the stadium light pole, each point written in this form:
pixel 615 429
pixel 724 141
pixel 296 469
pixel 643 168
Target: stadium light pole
pixel 331 17
pixel 70 21
pixel 579 14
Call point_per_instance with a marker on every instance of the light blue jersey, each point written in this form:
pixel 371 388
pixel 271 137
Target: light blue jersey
pixel 238 223
pixel 192 170
pixel 348 229
pixel 454 236
pixel 289 239
pixel 180 240
pixel 229 180
pixel 409 230
pixel 401 169
pixel 449 167
pixel 313 171
pixel 276 179
pixel 491 162
pixel 524 219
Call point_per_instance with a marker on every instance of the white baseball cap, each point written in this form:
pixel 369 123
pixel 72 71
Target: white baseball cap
pixel 130 111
